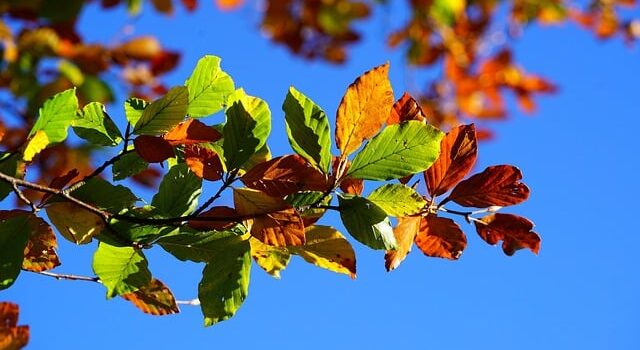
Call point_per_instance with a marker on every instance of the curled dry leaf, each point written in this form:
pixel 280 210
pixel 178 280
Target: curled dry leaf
pixel 363 109
pixel 497 185
pixel 441 238
pixel 12 336
pixel 153 149
pixel 458 152
pixel 154 299
pixel 515 232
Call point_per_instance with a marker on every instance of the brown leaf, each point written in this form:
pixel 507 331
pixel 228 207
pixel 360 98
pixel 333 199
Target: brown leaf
pixel 406 108
pixel 221 213
pixel 190 132
pixel 154 299
pixel 164 62
pixel 514 231
pixel 204 162
pixel 153 149
pixel 458 151
pixel 272 221
pixel 142 48
pixel 441 238
pixel 352 186
pixel 12 336
pixel 60 182
pixel 496 185
pixel 40 252
pixel 405 233
pixel 285 175
pixel 363 109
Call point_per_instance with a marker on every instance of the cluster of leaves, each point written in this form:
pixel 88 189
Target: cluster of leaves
pixel 275 214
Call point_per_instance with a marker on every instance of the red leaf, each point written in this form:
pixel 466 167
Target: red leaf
pixel 441 238
pixel 164 62
pixel 153 149
pixel 406 108
pixel 190 132
pixel 285 175
pixel 221 213
pixel 204 162
pixel 190 5
pixel 59 182
pixel 496 185
pixel 458 152
pixel 514 231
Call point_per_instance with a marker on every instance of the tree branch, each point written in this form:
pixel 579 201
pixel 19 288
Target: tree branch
pixel 61 276
pixel 230 179
pixel 27 201
pixel 96 172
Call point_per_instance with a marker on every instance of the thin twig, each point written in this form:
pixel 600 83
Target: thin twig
pixel 228 182
pixel 62 276
pixel 96 172
pixel 192 302
pixel 24 198
pixel 466 214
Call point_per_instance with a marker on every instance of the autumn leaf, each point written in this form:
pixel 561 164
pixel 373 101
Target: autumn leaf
pixel 40 253
pixel 363 109
pixel 225 214
pixel 228 5
pixel 406 108
pixel 285 175
pixel 190 132
pixel 269 258
pixel 497 185
pixel 514 231
pixel 458 152
pixel 12 336
pixel 154 299
pixel 204 162
pixel 153 149
pixel 76 224
pixel 441 238
pixel 327 248
pixel 404 233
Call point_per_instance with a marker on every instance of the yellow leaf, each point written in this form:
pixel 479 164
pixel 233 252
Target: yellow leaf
pixel 36 144
pixel 74 223
pixel 405 233
pixel 364 108
pixel 269 258
pixel 328 249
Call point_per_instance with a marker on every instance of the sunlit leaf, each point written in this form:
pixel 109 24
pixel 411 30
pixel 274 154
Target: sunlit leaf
pixel 178 193
pixel 133 108
pixel 190 132
pixel 269 258
pixel 204 162
pixel 497 185
pixel 404 233
pixel 209 86
pixel 163 114
pixel 406 108
pixel 154 299
pixel 363 109
pixel 12 336
pixel 514 231
pixel 40 253
pixel 93 124
pixel 285 175
pixel 397 200
pixel 366 222
pixel 121 269
pixel 327 248
pixel 440 237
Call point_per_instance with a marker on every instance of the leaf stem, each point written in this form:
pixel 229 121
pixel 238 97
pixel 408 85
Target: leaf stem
pixel 24 198
pixel 232 176
pixel 97 172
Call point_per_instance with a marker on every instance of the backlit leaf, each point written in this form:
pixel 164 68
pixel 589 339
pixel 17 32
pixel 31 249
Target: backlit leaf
pixel 225 281
pixel 269 258
pixel 247 128
pixel 40 253
pixel 285 175
pixel 197 246
pixel 514 231
pixel 327 248
pixel 154 299
pixel 307 129
pixel 12 336
pixel 399 150
pixel 153 149
pixel 36 144
pixel 406 108
pixel 14 235
pixel 363 109
pixel 178 193
pixel 105 195
pixel 496 185
pixel 163 114
pixel 93 124
pixel 204 162
pixel 128 165
pixel 209 86
pixel 366 222
pixel 404 233
pixel 458 151
pixel 133 108
pixel 190 132
pixel 76 224
pixel 441 238
pixel 121 269
pixel 397 200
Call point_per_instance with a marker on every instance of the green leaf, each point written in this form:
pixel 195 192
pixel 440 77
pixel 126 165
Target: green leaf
pixel 225 281
pixel 209 87
pixel 105 195
pixel 55 117
pixel 302 201
pixel 14 234
pixel 197 246
pixel 133 108
pixel 128 165
pixel 142 233
pixel 398 200
pixel 446 11
pixel 95 89
pixel 308 129
pixel 8 166
pixel 399 150
pixel 247 128
pixel 71 72
pixel 366 222
pixel 271 259
pixel 94 125
pixel 121 269
pixel 179 192
pixel 163 114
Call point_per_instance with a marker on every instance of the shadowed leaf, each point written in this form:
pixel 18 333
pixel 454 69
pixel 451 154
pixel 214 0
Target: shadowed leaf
pixel 14 235
pixel 204 162
pixel 225 214
pixel 366 222
pixel 76 224
pixel 153 149
pixel 153 299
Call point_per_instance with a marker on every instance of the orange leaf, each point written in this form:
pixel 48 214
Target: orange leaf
pixel 153 149
pixel 496 185
pixel 142 48
pixel 12 336
pixel 40 252
pixel 514 231
pixel 228 5
pixel 441 238
pixel 190 132
pixel 204 162
pixel 363 109
pixel 154 299
pixel 221 213
pixel 285 175
pixel 352 186
pixel 406 108
pixel 272 221
pixel 405 233
pixel 458 151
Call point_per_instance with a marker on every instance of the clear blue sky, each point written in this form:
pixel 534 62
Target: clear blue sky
pixel 579 155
